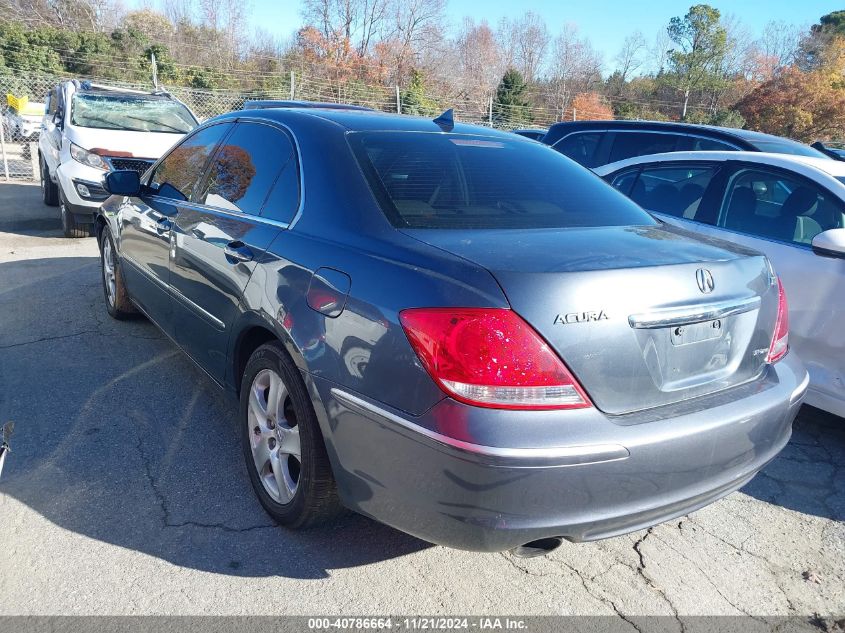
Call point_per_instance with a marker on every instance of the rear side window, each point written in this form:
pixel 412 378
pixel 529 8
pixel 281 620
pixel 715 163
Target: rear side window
pixel 177 174
pixel 631 144
pixel 447 181
pixel 581 147
pixel 283 202
pixel 675 190
pixel 244 168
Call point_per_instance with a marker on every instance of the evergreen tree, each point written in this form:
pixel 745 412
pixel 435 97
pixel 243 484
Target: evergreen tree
pixel 511 106
pixel 413 98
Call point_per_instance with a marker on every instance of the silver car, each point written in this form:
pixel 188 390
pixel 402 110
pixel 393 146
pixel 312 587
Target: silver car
pixel 457 331
pixel 792 208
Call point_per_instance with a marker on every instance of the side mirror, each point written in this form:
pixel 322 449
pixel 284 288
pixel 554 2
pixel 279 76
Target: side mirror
pixel 122 183
pixel 830 243
pixel 58 118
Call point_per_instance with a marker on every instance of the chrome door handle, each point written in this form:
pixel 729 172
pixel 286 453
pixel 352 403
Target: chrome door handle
pixel 238 251
pixel 163 225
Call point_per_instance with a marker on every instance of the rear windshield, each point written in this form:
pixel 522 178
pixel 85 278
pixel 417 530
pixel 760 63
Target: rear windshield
pixel 444 181
pixel 136 114
pixel 787 147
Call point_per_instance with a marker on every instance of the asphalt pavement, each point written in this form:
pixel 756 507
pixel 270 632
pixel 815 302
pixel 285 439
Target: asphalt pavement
pixel 126 493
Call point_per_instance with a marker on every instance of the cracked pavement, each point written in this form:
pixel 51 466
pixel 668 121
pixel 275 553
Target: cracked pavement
pixel 125 493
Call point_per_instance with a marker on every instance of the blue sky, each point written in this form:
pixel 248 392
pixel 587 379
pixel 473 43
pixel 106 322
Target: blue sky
pixel 605 22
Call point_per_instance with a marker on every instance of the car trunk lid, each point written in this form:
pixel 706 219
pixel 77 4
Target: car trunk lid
pixel 643 316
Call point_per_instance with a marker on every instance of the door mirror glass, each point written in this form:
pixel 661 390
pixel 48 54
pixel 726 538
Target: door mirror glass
pixel 830 243
pixel 122 183
pixel 57 118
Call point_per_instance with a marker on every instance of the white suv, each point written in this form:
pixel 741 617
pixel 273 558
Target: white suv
pixel 90 129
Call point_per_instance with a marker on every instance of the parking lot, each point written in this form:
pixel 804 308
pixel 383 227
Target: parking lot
pixel 126 493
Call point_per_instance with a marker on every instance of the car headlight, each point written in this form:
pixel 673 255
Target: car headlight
pixel 87 158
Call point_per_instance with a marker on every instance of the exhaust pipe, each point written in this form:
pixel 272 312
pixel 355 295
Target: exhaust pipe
pixel 540 547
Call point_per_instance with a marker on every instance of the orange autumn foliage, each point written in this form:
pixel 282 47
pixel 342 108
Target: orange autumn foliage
pixel 589 105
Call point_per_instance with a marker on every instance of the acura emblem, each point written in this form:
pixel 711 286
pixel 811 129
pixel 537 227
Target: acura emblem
pixel 705 280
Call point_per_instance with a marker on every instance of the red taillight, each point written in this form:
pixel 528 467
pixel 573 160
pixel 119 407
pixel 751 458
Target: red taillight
pixel 780 338
pixel 490 358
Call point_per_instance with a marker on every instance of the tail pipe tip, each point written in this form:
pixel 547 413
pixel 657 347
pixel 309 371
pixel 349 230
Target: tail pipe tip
pixel 540 547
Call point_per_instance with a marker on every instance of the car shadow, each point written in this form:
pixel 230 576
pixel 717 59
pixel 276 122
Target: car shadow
pixel 23 211
pixel 809 474
pixel 120 438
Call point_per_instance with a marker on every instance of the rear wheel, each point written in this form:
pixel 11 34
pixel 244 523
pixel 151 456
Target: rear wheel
pixel 282 444
pixel 70 226
pixel 118 304
pixel 49 189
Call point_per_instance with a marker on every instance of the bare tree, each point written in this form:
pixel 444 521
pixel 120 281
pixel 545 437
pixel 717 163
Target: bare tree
pixel 777 47
pixel 524 43
pixel 575 66
pixel 630 57
pixel 416 25
pixel 479 63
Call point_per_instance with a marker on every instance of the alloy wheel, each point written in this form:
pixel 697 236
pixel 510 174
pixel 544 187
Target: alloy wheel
pixel 108 270
pixel 274 436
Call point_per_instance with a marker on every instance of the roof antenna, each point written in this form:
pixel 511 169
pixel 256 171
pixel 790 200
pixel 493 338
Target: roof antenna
pixel 446 121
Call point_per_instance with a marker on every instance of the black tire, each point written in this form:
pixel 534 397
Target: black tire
pixel 70 227
pixel 119 307
pixel 315 500
pixel 49 189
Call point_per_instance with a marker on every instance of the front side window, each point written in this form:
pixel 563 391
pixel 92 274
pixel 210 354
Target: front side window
pixel 674 190
pixel 130 113
pixel 698 144
pixel 631 144
pixel 453 181
pixel 778 206
pixel 177 174
pixel 244 168
pixel 581 147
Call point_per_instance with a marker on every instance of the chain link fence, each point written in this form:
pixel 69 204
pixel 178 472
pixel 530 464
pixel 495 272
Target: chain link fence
pixel 19 130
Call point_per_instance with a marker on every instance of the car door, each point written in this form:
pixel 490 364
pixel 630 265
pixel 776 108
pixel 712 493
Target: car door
pixel 220 237
pixel 50 138
pixel 778 213
pixel 145 221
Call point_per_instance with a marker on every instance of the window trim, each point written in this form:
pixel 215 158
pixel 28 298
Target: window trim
pixel 735 168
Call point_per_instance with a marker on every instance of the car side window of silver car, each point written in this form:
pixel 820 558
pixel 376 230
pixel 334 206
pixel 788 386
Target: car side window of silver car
pixel 244 168
pixel 673 189
pixel 778 206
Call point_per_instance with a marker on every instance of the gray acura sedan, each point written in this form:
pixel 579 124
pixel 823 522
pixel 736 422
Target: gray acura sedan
pixel 456 331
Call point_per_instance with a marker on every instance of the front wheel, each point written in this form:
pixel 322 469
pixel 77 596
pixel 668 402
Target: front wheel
pixel 49 189
pixel 282 443
pixel 118 304
pixel 70 227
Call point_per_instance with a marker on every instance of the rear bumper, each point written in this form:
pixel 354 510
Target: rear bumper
pixel 621 475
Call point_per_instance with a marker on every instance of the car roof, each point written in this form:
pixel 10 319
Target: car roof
pixel 807 165
pixel 261 104
pixel 558 130
pixel 372 121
